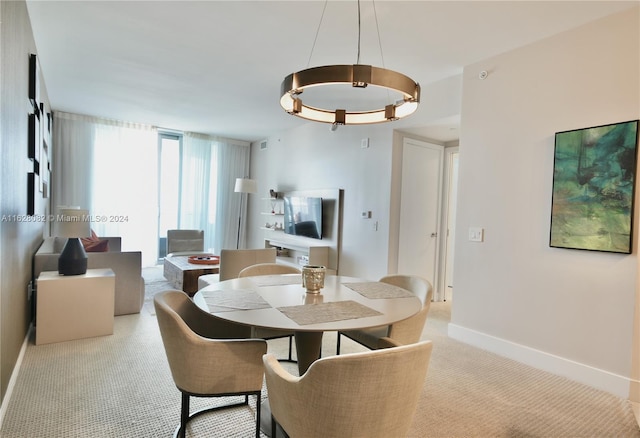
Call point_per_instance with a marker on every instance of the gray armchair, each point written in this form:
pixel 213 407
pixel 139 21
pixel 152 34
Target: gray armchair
pixel 185 241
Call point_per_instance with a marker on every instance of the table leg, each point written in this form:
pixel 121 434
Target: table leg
pixel 308 346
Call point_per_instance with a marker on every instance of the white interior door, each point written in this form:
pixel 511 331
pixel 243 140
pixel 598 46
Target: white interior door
pixel 420 202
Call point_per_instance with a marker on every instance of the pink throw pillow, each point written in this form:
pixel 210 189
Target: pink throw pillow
pixel 94 244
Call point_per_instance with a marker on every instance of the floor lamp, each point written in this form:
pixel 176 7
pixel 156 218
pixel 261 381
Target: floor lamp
pixel 243 185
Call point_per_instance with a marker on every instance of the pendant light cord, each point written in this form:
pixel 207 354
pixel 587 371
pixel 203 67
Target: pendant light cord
pixel 317 32
pixel 359 32
pixel 375 14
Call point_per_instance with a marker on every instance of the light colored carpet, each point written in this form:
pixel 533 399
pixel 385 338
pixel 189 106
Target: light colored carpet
pixel 154 282
pixel 120 386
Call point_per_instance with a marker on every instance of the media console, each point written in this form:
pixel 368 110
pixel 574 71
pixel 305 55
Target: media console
pixel 297 254
pixel 299 250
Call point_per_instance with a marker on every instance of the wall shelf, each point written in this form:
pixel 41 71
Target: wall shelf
pixel 275 209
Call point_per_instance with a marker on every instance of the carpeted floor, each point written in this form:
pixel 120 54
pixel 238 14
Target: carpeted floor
pixel 154 282
pixel 120 386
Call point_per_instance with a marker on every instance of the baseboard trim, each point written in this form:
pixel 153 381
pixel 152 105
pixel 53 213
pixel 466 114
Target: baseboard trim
pixel 615 384
pixel 14 376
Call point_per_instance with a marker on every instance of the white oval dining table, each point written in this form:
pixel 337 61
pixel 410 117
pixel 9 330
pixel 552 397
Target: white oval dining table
pixel 281 302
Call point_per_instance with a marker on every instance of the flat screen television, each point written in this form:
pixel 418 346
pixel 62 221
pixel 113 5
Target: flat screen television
pixel 303 216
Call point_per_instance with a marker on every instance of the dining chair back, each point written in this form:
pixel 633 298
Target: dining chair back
pixel 271 269
pixel 409 330
pixel 207 356
pixel 268 269
pixel 232 261
pixel 369 394
pixel 404 332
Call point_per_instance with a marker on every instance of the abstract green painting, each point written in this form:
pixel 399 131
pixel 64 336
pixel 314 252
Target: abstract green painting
pixel 594 175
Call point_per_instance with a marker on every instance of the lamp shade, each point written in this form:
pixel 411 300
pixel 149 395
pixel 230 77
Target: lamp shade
pixel 73 222
pixel 245 185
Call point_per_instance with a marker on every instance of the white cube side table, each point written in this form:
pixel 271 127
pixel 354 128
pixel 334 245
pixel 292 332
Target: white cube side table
pixel 72 307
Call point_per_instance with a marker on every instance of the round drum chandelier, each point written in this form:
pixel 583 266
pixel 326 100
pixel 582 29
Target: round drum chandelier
pixel 358 76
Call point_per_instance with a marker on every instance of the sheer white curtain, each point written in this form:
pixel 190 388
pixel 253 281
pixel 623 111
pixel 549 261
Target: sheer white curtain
pixel 210 167
pixel 125 186
pixel 196 184
pixel 72 161
pixel 233 162
pixel 110 168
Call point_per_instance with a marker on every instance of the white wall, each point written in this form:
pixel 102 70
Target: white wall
pixel 568 311
pixel 312 157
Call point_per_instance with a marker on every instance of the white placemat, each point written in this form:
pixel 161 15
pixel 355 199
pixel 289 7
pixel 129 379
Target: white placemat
pixel 327 312
pixel 236 299
pixel 376 290
pixel 277 280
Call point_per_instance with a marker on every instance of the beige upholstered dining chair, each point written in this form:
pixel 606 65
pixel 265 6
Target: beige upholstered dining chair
pixel 271 269
pixel 185 241
pixel 369 394
pixel 208 357
pixel 404 332
pixel 268 269
pixel 232 261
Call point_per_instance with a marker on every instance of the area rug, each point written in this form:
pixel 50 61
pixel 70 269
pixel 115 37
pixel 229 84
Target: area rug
pixel 154 282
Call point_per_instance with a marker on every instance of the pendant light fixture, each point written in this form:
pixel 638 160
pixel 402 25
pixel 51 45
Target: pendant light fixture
pixel 358 76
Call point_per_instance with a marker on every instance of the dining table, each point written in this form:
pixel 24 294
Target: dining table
pixel 281 302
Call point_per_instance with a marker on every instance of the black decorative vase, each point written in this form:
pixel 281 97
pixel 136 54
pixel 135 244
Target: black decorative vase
pixel 73 258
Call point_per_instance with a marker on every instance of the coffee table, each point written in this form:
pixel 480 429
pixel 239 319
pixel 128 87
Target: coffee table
pixel 184 275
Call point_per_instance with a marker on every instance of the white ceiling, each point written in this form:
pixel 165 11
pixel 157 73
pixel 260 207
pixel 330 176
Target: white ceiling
pixel 215 67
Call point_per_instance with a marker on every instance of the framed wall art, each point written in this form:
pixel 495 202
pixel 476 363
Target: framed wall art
pixel 594 178
pixel 44 150
pixel 34 136
pixel 37 145
pixel 34 81
pixel 32 181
